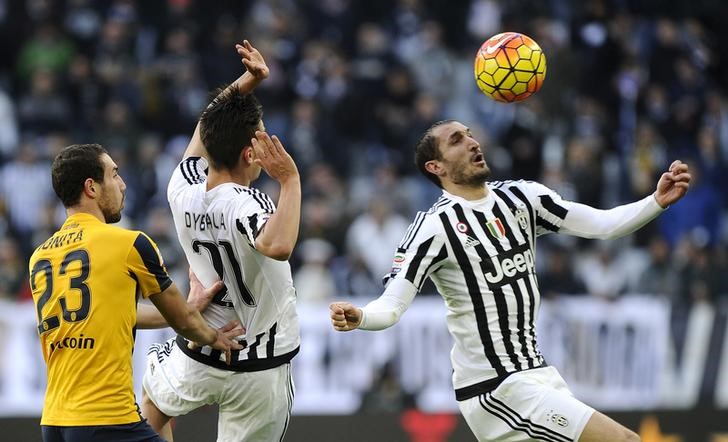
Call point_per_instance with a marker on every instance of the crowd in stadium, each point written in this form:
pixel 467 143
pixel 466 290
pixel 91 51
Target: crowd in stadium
pixel 352 87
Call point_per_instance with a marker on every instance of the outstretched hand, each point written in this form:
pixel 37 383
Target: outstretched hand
pixel 673 184
pixel 344 316
pixel 253 60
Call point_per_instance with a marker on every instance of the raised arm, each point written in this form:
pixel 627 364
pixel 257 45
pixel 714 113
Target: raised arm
pixel 588 222
pixel 279 234
pixel 256 72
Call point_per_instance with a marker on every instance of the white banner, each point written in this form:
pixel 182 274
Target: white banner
pixel 614 355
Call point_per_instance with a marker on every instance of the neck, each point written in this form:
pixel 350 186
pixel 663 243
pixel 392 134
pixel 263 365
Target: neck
pixel 84 208
pixel 218 177
pixel 467 192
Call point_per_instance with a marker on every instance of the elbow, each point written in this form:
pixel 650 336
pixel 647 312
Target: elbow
pixel 279 252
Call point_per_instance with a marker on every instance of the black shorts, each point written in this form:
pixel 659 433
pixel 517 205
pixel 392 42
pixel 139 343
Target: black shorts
pixel 134 432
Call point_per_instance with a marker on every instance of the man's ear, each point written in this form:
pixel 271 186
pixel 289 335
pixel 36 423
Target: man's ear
pixel 91 188
pixel 247 155
pixel 434 167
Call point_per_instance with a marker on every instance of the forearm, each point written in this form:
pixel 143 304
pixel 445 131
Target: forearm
pixel 194 328
pixel 280 233
pixel 148 317
pixel 386 310
pixel 588 222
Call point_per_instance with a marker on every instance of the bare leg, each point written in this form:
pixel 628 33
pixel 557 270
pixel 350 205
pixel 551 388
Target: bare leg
pixel 159 421
pixel 601 428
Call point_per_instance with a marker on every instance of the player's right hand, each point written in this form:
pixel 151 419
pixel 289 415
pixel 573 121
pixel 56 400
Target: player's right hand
pixel 273 158
pixel 344 316
pixel 253 60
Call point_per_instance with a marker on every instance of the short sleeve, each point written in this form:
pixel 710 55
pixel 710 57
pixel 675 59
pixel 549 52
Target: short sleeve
pixel 147 266
pixel 190 171
pixel 549 208
pixel 255 209
pixel 420 253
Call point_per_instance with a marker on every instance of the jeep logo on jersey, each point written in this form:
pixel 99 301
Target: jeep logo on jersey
pixel 509 264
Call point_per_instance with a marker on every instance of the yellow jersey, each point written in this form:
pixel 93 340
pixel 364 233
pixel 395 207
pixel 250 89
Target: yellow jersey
pixel 86 280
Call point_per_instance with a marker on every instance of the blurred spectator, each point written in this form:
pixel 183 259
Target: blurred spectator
pixel 13 269
pixel 558 277
pixel 374 234
pixel 696 214
pixel 660 277
pixel 9 136
pixel 47 50
pixel 313 280
pixel 604 271
pixel 45 108
pixel 25 187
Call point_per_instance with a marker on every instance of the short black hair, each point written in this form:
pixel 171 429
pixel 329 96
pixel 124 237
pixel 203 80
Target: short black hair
pixel 71 168
pixel 228 125
pixel 427 150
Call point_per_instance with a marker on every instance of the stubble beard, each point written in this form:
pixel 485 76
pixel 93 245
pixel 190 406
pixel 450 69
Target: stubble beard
pixel 473 180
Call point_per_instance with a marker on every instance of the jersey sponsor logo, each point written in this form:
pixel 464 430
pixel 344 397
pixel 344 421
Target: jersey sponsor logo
pixel 496 228
pixel 510 264
pixel 73 343
pixel 204 221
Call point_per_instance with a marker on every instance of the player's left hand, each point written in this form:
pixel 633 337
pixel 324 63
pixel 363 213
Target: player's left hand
pixel 673 184
pixel 199 296
pixel 253 60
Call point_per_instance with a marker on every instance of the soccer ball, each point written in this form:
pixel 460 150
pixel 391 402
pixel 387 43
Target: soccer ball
pixel 510 67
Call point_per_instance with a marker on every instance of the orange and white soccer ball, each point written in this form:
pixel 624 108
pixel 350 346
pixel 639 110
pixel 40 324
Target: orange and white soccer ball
pixel 510 67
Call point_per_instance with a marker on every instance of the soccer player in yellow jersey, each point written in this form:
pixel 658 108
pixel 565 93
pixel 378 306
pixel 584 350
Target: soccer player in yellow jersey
pixel 86 280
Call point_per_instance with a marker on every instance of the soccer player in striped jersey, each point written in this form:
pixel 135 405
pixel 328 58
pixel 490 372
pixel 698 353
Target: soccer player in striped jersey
pixel 234 232
pixel 86 279
pixel 477 244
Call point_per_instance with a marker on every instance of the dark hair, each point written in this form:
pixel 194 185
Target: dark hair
pixel 426 150
pixel 228 125
pixel 72 167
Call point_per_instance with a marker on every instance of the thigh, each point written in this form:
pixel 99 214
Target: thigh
pixel 134 432
pixel 177 384
pixel 527 406
pixel 256 406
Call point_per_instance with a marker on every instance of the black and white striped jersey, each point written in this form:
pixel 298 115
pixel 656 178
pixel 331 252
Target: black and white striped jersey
pixel 217 230
pixel 480 256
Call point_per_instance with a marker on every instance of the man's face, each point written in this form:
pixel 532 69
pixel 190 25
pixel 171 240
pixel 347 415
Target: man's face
pixel 462 160
pixel 111 195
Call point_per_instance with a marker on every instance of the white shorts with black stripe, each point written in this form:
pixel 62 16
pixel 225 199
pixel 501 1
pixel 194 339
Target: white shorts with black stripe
pixel 529 405
pixel 254 406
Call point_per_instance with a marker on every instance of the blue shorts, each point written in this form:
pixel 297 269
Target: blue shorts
pixel 134 432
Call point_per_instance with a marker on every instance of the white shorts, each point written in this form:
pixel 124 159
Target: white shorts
pixel 528 405
pixel 254 406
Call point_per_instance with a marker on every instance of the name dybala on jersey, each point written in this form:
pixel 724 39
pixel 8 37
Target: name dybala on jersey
pixel 217 230
pixel 85 281
pixel 480 256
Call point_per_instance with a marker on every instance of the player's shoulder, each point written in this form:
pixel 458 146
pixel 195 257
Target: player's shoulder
pixel 441 205
pixel 251 195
